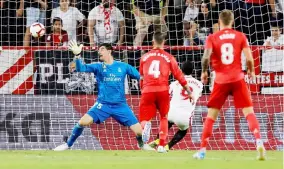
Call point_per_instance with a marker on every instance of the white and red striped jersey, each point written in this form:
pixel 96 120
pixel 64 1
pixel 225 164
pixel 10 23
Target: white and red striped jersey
pixel 180 96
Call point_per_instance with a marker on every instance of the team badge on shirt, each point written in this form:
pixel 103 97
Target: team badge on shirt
pixel 119 70
pixel 104 67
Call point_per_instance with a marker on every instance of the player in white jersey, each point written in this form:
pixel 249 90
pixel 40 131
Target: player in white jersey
pixel 181 110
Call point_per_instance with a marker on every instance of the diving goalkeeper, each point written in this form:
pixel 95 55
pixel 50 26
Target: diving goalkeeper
pixel 111 101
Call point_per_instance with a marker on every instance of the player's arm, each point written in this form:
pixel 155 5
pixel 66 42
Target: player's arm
pixel 80 67
pixel 141 73
pixel 178 75
pixel 206 60
pixel 132 72
pixel 249 59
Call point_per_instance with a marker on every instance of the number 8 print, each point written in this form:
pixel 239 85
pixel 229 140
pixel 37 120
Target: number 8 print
pixel 227 51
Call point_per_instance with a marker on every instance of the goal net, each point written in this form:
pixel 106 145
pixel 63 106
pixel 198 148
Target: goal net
pixel 41 100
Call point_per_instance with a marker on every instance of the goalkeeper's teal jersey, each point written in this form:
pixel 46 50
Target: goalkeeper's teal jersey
pixel 110 79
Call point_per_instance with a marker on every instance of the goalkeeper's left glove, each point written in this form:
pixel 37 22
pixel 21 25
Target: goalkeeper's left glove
pixel 75 48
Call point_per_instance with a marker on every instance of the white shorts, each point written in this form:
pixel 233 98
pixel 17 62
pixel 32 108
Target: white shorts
pixel 180 116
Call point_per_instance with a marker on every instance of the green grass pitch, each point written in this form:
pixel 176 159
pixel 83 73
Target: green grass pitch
pixel 137 160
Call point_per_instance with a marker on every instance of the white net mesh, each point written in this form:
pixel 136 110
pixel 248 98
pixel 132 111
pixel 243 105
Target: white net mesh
pixel 41 100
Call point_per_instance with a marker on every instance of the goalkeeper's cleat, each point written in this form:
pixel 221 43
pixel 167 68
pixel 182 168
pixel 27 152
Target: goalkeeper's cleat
pixel 161 149
pixel 154 143
pixel 167 147
pixel 146 132
pixel 62 147
pixel 261 150
pixel 200 155
pixel 147 148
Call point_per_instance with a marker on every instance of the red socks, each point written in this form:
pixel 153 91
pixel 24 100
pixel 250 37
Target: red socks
pixel 253 125
pixel 209 122
pixel 163 131
pixel 207 131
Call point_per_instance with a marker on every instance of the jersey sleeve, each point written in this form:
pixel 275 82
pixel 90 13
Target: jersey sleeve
pixel 93 14
pixel 119 15
pixel 178 75
pixel 244 40
pixel 79 16
pixel 92 68
pixel 208 43
pixel 187 15
pixel 132 72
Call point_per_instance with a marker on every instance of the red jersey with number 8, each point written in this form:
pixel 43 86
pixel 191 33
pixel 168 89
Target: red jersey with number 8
pixel 155 68
pixel 227 46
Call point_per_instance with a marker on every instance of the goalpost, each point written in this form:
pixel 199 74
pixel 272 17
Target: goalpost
pixel 40 100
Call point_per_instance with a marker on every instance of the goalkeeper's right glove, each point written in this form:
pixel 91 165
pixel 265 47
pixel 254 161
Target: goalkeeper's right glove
pixel 75 48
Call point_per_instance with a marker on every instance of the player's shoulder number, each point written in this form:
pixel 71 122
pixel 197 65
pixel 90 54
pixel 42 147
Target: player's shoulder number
pixel 227 53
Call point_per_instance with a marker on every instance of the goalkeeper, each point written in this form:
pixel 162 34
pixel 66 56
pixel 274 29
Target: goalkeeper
pixel 111 101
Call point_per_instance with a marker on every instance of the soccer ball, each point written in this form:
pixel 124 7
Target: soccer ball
pixel 37 30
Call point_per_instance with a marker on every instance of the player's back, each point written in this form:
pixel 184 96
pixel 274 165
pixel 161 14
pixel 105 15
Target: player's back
pixel 179 94
pixel 155 67
pixel 227 46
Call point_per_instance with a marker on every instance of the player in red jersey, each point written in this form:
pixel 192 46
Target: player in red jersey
pixel 155 68
pixel 224 49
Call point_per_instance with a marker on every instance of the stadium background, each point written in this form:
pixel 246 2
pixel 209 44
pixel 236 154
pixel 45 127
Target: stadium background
pixel 41 100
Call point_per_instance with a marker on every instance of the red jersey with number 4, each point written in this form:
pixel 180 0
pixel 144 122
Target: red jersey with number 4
pixel 155 68
pixel 227 46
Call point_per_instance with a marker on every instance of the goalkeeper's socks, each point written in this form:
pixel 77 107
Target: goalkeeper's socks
pixel 140 141
pixel 177 137
pixel 163 131
pixel 253 125
pixel 207 131
pixel 77 131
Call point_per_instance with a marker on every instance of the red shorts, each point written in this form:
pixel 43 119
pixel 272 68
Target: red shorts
pixel 238 89
pixel 151 102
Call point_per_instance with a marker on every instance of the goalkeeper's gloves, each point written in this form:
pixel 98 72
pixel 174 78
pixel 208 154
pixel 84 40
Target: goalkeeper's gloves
pixel 73 46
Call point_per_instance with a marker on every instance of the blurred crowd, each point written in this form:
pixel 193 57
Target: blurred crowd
pixel 132 22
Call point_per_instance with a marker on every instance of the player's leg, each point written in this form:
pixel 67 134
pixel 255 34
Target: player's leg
pixel 243 100
pixel 182 121
pixel 147 110
pixel 217 99
pixel 163 104
pixel 124 115
pixel 156 142
pixel 96 114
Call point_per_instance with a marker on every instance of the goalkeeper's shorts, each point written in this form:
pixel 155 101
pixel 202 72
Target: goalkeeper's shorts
pixel 120 112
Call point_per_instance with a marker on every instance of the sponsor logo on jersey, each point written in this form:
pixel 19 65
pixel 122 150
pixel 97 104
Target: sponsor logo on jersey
pixel 112 78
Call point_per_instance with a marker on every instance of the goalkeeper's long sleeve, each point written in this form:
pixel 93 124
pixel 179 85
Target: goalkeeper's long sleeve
pixel 81 67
